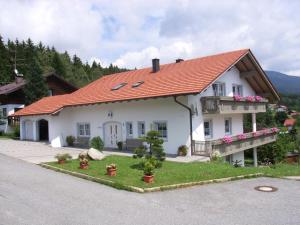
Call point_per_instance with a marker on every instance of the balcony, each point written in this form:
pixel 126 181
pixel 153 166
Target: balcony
pixel 231 105
pixel 234 144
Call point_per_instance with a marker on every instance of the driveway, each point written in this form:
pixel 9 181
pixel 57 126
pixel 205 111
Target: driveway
pixel 34 152
pixel 33 195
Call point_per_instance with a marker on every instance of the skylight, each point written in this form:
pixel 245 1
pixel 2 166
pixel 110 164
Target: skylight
pixel 137 84
pixel 118 86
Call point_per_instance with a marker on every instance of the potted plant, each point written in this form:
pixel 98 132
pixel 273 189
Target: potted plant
pixel 120 145
pixel 70 140
pixel 62 158
pixel 148 172
pixel 182 150
pixel 83 161
pixel 111 170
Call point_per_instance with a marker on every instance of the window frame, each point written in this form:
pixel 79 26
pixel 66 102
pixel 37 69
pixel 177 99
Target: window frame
pixel 237 86
pixel 219 89
pixel 156 128
pixel 210 136
pixel 86 127
pixel 230 125
pixel 4 112
pixel 128 135
pixel 140 131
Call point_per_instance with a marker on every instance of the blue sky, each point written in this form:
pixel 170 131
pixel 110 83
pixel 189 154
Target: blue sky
pixel 130 33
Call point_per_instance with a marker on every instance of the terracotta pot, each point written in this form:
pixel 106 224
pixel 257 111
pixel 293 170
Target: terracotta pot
pixel 111 172
pixel 148 179
pixel 84 166
pixel 61 161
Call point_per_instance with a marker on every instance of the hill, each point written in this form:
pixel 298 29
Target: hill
pixel 285 84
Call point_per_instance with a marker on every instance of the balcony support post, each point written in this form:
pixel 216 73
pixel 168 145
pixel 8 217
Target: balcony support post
pixel 254 130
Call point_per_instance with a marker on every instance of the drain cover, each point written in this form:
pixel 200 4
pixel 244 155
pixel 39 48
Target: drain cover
pixel 266 188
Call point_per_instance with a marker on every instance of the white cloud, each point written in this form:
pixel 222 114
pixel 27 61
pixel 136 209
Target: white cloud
pixel 130 33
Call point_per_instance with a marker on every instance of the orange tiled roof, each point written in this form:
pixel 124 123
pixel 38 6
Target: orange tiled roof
pixel 289 122
pixel 187 77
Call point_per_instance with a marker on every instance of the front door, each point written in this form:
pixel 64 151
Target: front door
pixel 113 134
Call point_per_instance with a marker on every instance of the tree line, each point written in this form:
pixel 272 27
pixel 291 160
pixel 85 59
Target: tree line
pixel 34 60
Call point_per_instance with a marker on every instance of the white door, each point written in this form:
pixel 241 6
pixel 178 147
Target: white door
pixel 113 134
pixel 28 130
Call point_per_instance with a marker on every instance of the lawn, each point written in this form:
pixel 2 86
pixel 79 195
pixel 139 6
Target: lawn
pixel 171 172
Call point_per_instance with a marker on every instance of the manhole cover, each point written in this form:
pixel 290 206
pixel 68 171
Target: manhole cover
pixel 266 188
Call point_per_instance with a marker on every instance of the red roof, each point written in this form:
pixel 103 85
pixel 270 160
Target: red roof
pixel 187 77
pixel 289 122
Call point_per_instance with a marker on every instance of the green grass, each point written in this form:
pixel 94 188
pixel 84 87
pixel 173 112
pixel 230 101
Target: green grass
pixel 171 172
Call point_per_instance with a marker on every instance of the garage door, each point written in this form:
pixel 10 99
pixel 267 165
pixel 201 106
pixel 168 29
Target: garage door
pixel 28 130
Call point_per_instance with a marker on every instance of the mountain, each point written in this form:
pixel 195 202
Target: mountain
pixel 285 84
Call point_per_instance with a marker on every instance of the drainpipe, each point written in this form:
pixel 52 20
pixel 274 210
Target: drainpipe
pixel 191 122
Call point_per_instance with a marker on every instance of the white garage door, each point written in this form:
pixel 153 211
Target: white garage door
pixel 28 130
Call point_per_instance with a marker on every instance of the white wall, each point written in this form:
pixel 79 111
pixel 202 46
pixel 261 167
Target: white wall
pixel 10 109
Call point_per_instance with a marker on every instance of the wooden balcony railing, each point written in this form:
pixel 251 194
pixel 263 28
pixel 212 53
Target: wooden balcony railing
pixel 228 105
pixel 250 140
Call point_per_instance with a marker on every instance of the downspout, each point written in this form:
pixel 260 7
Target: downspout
pixel 191 121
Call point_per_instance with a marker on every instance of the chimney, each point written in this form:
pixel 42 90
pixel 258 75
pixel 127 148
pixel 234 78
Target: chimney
pixel 179 60
pixel 155 65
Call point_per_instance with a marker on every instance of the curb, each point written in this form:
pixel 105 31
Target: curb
pixel 153 189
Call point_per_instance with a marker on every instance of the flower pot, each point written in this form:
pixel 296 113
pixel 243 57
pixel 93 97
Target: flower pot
pixel 84 166
pixel 61 161
pixel 111 172
pixel 148 179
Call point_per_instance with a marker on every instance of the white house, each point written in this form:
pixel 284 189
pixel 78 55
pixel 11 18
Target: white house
pixel 189 102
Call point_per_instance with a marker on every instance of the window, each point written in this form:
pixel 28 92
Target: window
pixel 141 129
pixel 228 126
pixel 237 90
pixel 129 129
pixel 137 84
pixel 117 87
pixel 219 89
pixel 84 129
pixel 4 112
pixel 162 128
pixel 50 92
pixel 208 128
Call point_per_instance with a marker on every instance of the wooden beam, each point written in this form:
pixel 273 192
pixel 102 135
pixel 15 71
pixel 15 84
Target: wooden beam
pixel 248 74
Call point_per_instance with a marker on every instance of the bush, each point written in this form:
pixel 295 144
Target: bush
pixel 140 152
pixel 148 168
pixel 216 156
pixel 70 140
pixel 97 143
pixel 182 150
pixel 16 131
pixel 64 157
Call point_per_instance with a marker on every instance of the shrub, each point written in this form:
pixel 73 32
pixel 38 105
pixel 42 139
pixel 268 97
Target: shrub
pixel 65 157
pixel 97 143
pixel 216 156
pixel 16 131
pixel 148 168
pixel 182 150
pixel 70 140
pixel 140 152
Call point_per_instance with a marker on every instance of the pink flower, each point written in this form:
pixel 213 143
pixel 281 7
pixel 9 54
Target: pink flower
pixel 242 136
pixel 237 98
pixel 250 98
pixel 227 139
pixel 258 98
pixel 274 129
pixel 266 131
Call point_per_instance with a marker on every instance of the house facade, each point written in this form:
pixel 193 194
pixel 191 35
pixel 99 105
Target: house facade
pixel 194 103
pixel 12 96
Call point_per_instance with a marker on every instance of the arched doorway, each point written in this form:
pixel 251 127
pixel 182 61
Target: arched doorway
pixel 43 130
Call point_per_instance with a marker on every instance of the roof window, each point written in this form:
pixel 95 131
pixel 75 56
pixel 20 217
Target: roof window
pixel 117 87
pixel 137 84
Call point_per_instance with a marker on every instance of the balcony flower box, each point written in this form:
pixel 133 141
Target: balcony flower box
pixel 227 139
pixel 241 137
pixel 258 98
pixel 237 98
pixel 275 130
pixel 250 99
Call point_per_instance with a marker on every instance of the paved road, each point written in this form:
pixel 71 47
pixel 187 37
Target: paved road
pixel 33 195
pixel 34 152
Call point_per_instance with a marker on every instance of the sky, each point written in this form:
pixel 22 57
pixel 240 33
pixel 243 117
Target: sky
pixel 130 33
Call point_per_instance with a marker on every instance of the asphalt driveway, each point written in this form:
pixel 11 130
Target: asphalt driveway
pixel 33 195
pixel 34 152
